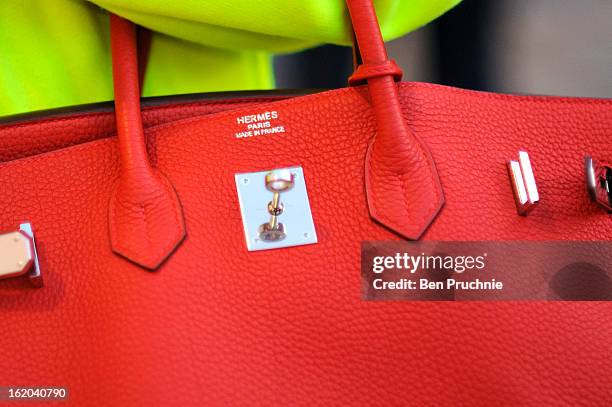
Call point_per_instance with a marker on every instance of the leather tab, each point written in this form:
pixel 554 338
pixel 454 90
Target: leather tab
pixel 145 217
pixel 368 71
pixel 402 184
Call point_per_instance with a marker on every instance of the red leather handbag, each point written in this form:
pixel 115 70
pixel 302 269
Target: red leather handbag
pixel 222 322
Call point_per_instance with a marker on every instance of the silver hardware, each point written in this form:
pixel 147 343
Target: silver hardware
pixel 275 209
pixel 599 182
pixel 276 182
pixel 18 255
pixel 523 184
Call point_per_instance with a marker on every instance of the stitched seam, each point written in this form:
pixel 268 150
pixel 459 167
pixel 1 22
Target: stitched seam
pixel 403 85
pixel 508 97
pixel 80 116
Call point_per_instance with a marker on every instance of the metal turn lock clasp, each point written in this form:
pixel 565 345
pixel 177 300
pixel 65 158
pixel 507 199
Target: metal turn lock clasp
pixel 275 209
pixel 523 184
pixel 276 182
pixel 18 255
pixel 599 182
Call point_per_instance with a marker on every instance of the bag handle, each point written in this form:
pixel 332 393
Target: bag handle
pixel 402 185
pixel 146 221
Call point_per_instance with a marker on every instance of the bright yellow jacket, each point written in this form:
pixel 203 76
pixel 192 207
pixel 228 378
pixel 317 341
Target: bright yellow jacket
pixel 56 52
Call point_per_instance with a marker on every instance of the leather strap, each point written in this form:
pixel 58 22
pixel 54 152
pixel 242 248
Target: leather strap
pixel 145 216
pixel 402 184
pixel 363 72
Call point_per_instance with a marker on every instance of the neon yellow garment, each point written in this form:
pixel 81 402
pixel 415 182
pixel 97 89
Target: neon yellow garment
pixel 56 53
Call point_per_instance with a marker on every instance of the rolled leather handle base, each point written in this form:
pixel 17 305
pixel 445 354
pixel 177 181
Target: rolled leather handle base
pixel 145 220
pixel 145 216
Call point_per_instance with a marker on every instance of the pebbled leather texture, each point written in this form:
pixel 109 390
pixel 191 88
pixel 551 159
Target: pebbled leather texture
pixel 145 216
pixel 402 184
pixel 217 325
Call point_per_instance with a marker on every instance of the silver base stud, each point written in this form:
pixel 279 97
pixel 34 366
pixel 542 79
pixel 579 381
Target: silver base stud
pixel 18 255
pixel 523 184
pixel 599 182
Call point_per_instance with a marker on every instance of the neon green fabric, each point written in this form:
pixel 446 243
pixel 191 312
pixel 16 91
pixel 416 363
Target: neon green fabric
pixel 56 53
